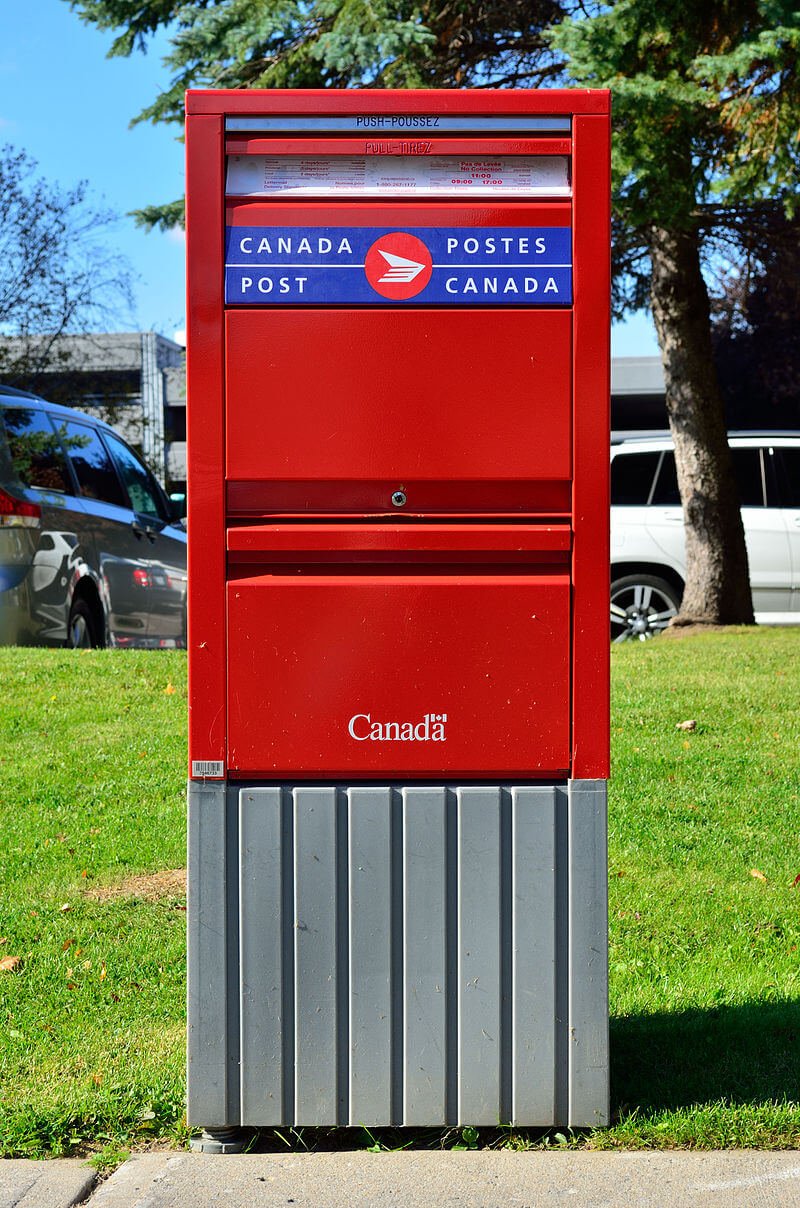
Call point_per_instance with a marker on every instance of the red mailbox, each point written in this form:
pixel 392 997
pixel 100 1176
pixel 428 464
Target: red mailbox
pixel 398 380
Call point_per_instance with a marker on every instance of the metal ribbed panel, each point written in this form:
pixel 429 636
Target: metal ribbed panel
pixel 424 956
pixel 370 956
pixel 418 955
pixel 534 953
pixel 588 954
pixel 261 955
pixel 479 940
pixel 212 1049
pixel 317 900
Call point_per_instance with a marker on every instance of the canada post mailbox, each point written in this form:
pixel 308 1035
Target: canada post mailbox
pixel 398 386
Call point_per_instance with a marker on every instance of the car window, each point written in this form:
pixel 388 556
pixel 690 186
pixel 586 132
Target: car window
pixel 142 489
pixel 789 476
pixel 97 478
pixel 665 492
pixel 36 454
pixel 632 477
pixel 746 466
pixel 749 471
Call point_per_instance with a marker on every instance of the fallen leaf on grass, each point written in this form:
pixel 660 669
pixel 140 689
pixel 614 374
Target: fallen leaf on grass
pixel 170 690
pixel 67 944
pixel 66 907
pixel 686 725
pixel 759 876
pixel 103 971
pixel 9 963
pixel 795 883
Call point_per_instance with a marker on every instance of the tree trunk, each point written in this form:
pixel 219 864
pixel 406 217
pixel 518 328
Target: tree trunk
pixel 717 580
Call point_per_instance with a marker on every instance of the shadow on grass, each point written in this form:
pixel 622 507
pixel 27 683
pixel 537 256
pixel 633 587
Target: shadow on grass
pixel 742 1054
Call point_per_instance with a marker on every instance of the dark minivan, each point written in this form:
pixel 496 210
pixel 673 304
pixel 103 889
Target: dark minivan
pixel 92 553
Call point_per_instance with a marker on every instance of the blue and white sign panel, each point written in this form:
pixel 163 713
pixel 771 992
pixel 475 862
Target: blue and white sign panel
pixel 369 266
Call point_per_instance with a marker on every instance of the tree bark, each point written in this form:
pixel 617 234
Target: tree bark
pixel 717 579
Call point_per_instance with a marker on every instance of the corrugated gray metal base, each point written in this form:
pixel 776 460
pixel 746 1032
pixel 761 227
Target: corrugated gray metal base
pixel 389 954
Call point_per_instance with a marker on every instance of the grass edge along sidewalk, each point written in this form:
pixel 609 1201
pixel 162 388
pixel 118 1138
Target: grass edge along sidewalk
pixel 704 914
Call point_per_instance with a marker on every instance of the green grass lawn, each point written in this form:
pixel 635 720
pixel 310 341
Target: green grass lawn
pixel 705 918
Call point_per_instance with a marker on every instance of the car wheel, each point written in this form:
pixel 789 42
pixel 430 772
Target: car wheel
pixel 641 606
pixel 82 627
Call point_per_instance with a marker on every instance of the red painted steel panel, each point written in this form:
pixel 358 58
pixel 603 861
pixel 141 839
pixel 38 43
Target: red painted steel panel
pixel 394 145
pixel 393 538
pixel 407 396
pixel 592 286
pixel 398 100
pixel 309 654
pixel 206 448
pixel 381 212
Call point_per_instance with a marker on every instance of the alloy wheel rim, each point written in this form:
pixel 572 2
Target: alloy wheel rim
pixel 639 612
pixel 79 633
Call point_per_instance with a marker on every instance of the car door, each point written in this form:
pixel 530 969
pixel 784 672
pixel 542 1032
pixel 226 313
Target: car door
pixel 120 540
pixel 632 478
pixel 786 459
pixel 167 547
pixel 764 527
pixel 61 550
pixel 768 552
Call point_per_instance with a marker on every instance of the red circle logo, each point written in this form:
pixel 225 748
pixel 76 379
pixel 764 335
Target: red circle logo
pixel 398 266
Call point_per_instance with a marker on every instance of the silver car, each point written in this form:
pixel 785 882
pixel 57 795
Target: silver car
pixel 92 553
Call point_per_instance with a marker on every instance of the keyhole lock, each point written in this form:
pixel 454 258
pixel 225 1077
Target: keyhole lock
pixel 399 499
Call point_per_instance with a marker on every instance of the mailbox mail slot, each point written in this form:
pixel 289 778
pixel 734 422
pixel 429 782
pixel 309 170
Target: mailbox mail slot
pixel 398 383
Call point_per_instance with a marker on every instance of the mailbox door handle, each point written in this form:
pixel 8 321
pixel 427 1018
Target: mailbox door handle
pixel 431 543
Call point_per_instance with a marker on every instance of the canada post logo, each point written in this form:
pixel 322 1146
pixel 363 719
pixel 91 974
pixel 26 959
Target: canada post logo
pixel 365 266
pixel 398 266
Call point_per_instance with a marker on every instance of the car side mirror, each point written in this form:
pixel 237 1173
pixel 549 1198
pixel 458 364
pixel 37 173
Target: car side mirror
pixel 177 507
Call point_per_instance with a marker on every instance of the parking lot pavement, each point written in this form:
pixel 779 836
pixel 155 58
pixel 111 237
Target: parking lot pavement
pixel 455 1180
pixel 56 1184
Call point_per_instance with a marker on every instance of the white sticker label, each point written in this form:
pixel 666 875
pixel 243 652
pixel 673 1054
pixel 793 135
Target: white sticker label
pixel 208 767
pixel 368 175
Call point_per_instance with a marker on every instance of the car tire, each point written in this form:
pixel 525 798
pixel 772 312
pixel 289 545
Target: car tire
pixel 641 607
pixel 82 627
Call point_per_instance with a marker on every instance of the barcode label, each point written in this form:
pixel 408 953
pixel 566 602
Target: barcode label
pixel 208 767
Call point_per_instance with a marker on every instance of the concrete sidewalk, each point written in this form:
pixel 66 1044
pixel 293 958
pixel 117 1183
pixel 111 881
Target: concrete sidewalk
pixel 419 1179
pixel 57 1184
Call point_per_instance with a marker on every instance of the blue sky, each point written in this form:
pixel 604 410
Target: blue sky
pixel 70 107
